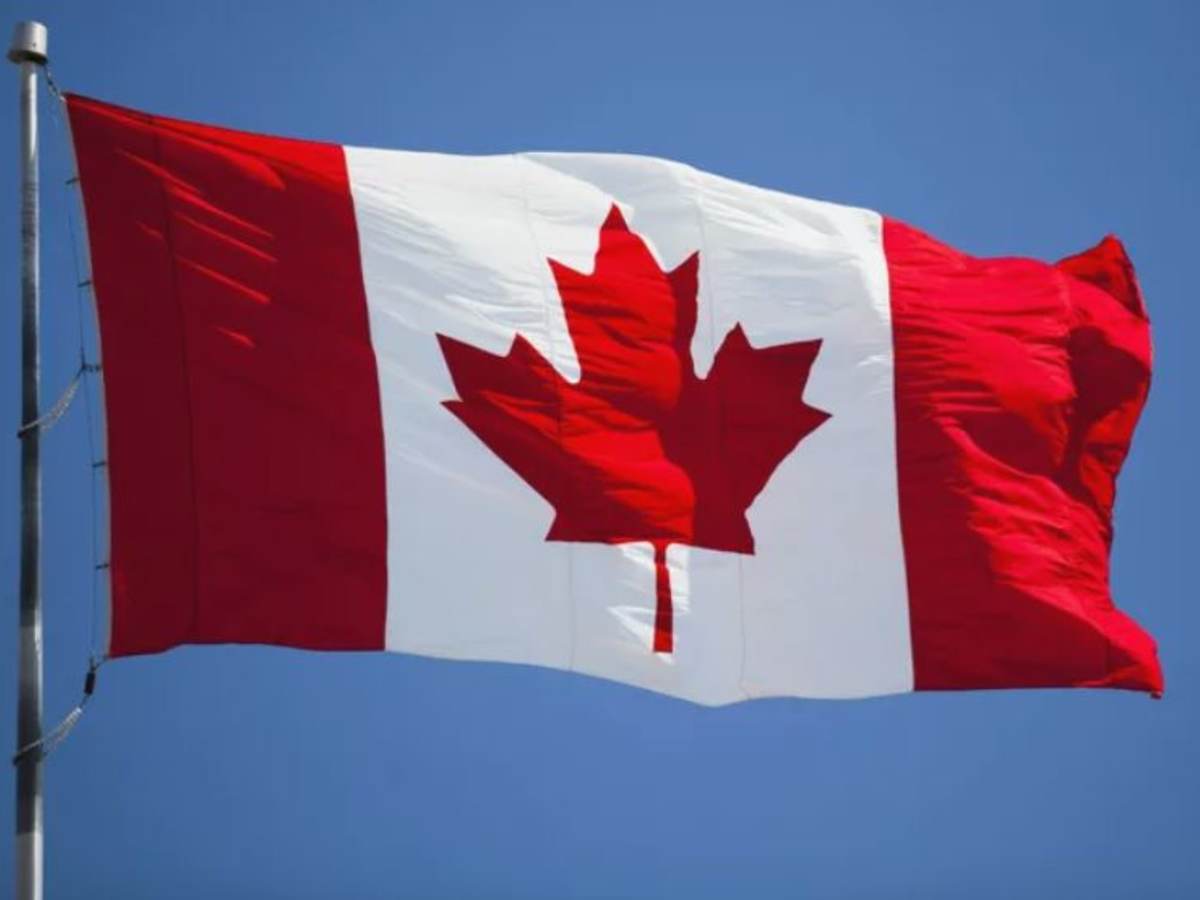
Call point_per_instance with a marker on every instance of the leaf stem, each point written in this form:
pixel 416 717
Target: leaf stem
pixel 664 615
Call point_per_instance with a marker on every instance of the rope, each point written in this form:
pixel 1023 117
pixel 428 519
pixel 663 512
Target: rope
pixel 52 84
pixel 82 288
pixel 48 742
pixel 47 419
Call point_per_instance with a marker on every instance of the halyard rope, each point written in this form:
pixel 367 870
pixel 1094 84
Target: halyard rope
pixel 47 419
pixel 83 285
pixel 47 743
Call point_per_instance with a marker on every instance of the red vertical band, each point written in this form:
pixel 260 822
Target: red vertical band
pixel 245 439
pixel 1018 385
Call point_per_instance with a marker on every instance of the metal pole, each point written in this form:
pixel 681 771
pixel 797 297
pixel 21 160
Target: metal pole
pixel 28 50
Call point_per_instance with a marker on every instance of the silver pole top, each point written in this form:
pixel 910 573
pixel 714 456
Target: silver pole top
pixel 28 43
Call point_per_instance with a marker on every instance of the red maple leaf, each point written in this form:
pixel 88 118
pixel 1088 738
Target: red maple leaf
pixel 639 449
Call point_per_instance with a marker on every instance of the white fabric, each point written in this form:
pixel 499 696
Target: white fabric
pixel 458 246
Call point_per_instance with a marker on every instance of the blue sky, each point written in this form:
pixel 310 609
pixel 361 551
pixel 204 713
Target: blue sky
pixel 1005 129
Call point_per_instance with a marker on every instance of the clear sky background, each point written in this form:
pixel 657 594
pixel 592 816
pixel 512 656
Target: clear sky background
pixel 1004 128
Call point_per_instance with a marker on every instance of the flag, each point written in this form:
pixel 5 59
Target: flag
pixel 600 413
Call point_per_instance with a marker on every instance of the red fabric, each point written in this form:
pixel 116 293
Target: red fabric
pixel 245 442
pixel 1018 385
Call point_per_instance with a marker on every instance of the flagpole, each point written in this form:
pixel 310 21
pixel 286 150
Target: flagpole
pixel 28 50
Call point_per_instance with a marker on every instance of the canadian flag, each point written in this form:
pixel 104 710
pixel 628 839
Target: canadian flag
pixel 602 413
